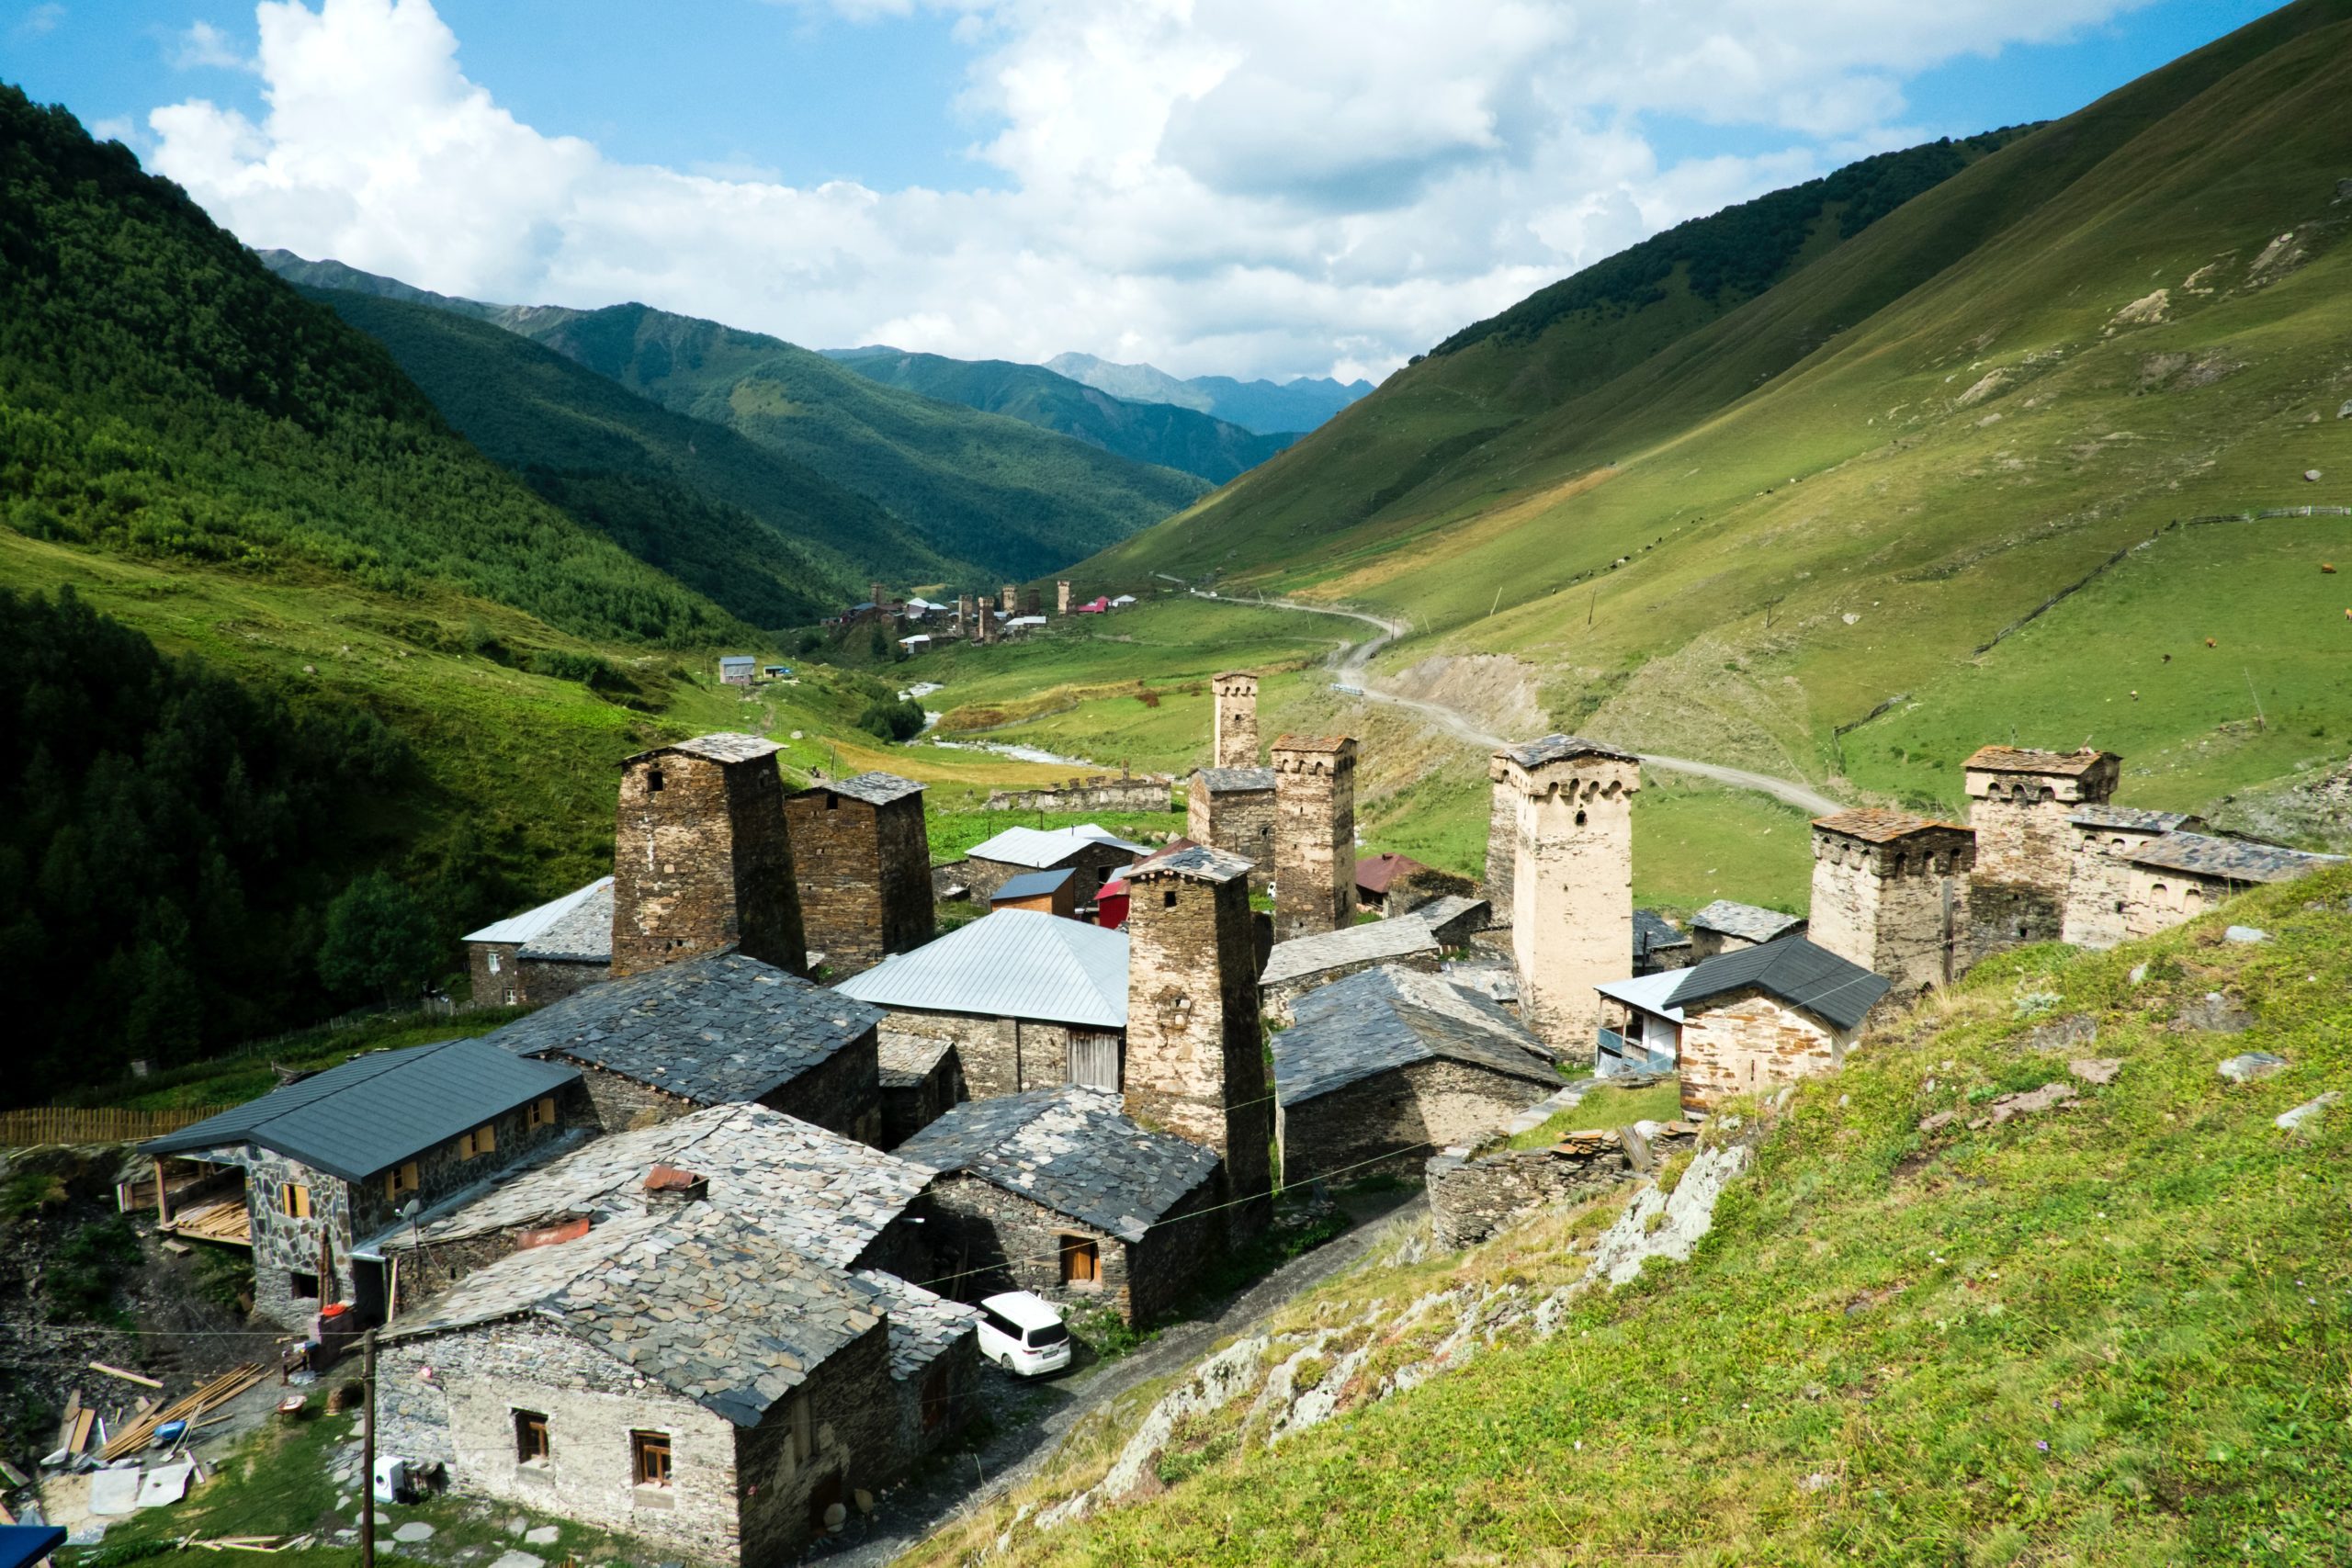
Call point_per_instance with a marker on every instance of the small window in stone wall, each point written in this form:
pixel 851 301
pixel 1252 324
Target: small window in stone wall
pixel 541 1113
pixel 482 1140
pixel 530 1437
pixel 1168 899
pixel 1081 1260
pixel 294 1200
pixel 302 1287
pixel 401 1177
pixel 650 1452
pixel 493 961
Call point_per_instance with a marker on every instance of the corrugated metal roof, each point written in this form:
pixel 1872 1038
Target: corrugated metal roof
pixel 1793 969
pixel 1031 884
pixel 531 923
pixel 1651 993
pixel 1039 848
pixel 1012 964
pixel 375 1110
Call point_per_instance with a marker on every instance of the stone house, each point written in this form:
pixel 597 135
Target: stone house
pixel 2020 801
pixel 1659 944
pixel 1040 892
pixel 1766 1016
pixel 684 1377
pixel 1315 834
pixel 1890 892
pixel 1303 963
pixel 861 853
pixel 1057 1192
pixel 922 1079
pixel 1233 810
pixel 1726 926
pixel 1572 878
pixel 1641 1030
pixel 720 1029
pixel 2098 891
pixel 1093 853
pixel 545 953
pixel 1028 1001
pixel 737 669
pixel 1377 875
pixel 702 859
pixel 2174 879
pixel 327 1164
pixel 1389 1064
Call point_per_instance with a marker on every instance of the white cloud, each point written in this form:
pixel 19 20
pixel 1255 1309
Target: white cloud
pixel 1245 186
pixel 41 20
pixel 201 44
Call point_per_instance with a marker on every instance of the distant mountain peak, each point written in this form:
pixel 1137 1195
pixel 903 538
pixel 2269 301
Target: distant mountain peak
pixel 1266 407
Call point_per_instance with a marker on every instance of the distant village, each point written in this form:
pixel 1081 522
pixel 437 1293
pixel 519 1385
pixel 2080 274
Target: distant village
pixel 694 1249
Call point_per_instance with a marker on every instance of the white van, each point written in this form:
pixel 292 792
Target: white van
pixel 1023 1334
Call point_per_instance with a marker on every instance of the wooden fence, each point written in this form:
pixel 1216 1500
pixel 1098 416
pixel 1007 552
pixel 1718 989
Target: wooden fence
pixel 76 1124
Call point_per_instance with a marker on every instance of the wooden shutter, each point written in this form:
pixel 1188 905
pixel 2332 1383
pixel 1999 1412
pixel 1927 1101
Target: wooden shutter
pixel 1094 1060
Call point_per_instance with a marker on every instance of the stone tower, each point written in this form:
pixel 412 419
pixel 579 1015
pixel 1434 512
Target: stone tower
pixel 1572 878
pixel 2019 803
pixel 863 852
pixel 1196 1059
pixel 964 614
pixel 1890 894
pixel 1315 835
pixel 1061 597
pixel 1011 598
pixel 878 595
pixel 701 859
pixel 1502 851
pixel 1236 737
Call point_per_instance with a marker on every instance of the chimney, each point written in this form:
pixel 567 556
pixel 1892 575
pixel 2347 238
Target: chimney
pixel 668 1184
pixel 701 857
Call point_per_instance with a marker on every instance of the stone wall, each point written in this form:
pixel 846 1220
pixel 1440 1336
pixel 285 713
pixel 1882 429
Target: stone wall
pixel 1470 1200
pixel 1573 926
pixel 1502 852
pixel 1896 908
pixel 999 1056
pixel 909 1108
pixel 1234 738
pixel 1238 821
pixel 1396 1118
pixel 619 1103
pixel 2025 850
pixel 1748 1041
pixel 2099 894
pixel 701 859
pixel 549 980
pixel 2158 899
pixel 1315 836
pixel 1100 792
pixel 855 1440
pixel 843 1093
pixel 1277 998
pixel 864 874
pixel 990 1240
pixel 495 971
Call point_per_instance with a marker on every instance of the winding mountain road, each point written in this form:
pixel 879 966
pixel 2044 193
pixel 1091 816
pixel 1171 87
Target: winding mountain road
pixel 1352 669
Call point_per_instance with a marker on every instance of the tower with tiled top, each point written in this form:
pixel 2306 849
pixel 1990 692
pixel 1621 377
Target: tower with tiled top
pixel 701 857
pixel 1572 877
pixel 1315 834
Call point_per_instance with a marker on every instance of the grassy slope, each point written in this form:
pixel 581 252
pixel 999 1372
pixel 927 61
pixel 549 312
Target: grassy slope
pixel 1922 519
pixel 1158 434
pixel 764 535
pixel 2114 1334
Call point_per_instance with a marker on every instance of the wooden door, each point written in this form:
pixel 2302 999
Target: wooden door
pixel 1094 1060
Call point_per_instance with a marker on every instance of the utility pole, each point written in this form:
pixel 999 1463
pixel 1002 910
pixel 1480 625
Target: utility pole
pixel 368 1450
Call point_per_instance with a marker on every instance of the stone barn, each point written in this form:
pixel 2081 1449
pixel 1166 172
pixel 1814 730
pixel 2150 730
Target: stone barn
pixel 1573 877
pixel 722 1030
pixel 1057 1192
pixel 1726 926
pixel 861 853
pixel 2019 804
pixel 1890 892
pixel 701 857
pixel 2098 893
pixel 545 953
pixel 1386 1066
pixel 1028 1001
pixel 685 1378
pixel 1094 854
pixel 2179 876
pixel 325 1166
pixel 1233 810
pixel 1765 1015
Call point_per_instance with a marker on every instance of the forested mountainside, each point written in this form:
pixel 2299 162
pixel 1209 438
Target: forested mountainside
pixel 1158 432
pixel 1921 491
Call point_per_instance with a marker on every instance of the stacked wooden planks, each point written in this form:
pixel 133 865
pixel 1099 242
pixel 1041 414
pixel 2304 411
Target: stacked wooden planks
pixel 139 1433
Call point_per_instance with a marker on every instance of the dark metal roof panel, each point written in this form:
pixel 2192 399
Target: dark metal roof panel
pixel 1795 971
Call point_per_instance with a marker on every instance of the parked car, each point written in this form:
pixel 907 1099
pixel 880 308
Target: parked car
pixel 1021 1333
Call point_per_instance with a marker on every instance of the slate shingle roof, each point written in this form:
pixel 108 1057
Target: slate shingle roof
pixel 1313 743
pixel 584 935
pixel 376 1110
pixel 1883 825
pixel 923 1326
pixel 2025 759
pixel 532 924
pixel 724 745
pixel 1560 749
pixel 1198 863
pixel 1744 920
pixel 1072 1150
pixel 907 1059
pixel 1303 957
pixel 1653 932
pixel 2132 819
pixel 2234 860
pixel 817 1191
pixel 713 1029
pixel 1234 781
pixel 1387 1017
pixel 1793 969
pixel 706 1305
pixel 1009 964
pixel 874 788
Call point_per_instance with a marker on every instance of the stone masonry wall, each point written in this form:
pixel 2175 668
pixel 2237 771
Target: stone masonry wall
pixel 701 859
pixel 1470 1200
pixel 843 1093
pixel 2099 894
pixel 999 1056
pixel 1148 792
pixel 858 1442
pixel 993 1240
pixel 1397 1118
pixel 1314 839
pixel 1573 927
pixel 2025 852
pixel 1502 852
pixel 864 874
pixel 1234 738
pixel 1895 909
pixel 1750 1042
pixel 549 980
pixel 2158 900
pixel 1240 822
pixel 494 973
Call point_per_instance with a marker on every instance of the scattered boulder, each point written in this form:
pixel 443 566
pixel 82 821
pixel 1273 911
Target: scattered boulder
pixel 2095 1069
pixel 2251 1066
pixel 2071 1032
pixel 2345 411
pixel 2146 310
pixel 1816 1482
pixel 412 1532
pixel 1941 1119
pixel 2216 1014
pixel 2245 933
pixel 2139 973
pixel 2032 1101
pixel 863 1499
pixel 518 1560
pixel 543 1536
pixel 2311 476
pixel 2305 1114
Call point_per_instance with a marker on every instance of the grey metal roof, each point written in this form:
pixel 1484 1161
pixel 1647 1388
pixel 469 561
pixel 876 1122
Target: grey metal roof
pixel 1305 956
pixel 1388 1018
pixel 736 660
pixel 1791 969
pixel 1073 1151
pixel 584 935
pixel 2130 817
pixel 1744 920
pixel 874 788
pixel 1197 862
pixel 375 1110
pixel 1236 781
pixel 1039 848
pixel 1009 964
pixel 2234 860
pixel 1651 993
pixel 820 1193
pixel 1031 884
pixel 1653 931
pixel 712 1030
pixel 708 1304
pixel 1560 749
pixel 724 745
pixel 533 923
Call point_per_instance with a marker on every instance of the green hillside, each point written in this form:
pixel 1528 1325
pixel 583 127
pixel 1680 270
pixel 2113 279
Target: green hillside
pixel 1155 433
pixel 1735 533
pixel 761 534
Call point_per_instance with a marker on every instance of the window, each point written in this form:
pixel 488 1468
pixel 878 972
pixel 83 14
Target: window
pixel 482 1140
pixel 531 1437
pixel 400 1179
pixel 294 1200
pixel 541 1113
pixel 833 802
pixel 1168 899
pixel 302 1287
pixel 1081 1260
pixel 653 779
pixel 650 1453
pixel 493 961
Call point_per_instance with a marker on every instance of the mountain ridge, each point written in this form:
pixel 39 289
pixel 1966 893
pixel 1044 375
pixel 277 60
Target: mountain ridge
pixel 1267 407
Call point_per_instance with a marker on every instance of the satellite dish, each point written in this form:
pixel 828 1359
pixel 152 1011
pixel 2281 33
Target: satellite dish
pixel 410 1210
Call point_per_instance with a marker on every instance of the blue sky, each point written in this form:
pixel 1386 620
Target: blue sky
pixel 1282 187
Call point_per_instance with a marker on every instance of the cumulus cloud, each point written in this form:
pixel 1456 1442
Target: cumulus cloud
pixel 1245 187
pixel 200 45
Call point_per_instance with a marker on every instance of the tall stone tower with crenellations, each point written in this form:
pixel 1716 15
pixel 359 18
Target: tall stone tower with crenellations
pixel 701 859
pixel 1572 878
pixel 1235 741
pixel 862 849
pixel 2021 803
pixel 1195 1053
pixel 1889 893
pixel 1315 835
pixel 1502 852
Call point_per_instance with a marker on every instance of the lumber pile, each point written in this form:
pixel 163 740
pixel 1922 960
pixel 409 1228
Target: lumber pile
pixel 219 1391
